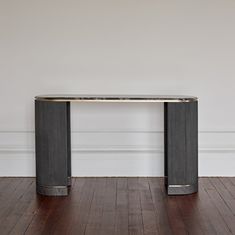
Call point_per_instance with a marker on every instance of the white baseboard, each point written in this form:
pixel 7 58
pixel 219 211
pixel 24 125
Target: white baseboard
pixel 118 153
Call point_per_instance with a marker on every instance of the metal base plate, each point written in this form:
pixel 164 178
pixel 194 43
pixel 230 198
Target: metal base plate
pixel 182 189
pixel 52 190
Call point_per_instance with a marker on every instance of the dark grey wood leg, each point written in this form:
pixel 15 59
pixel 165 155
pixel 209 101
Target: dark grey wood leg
pixel 181 147
pixel 69 144
pixel 53 151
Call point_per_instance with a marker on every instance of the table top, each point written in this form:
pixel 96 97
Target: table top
pixel 116 98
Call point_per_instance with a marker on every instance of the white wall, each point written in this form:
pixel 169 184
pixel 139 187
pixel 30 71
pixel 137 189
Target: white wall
pixel 117 47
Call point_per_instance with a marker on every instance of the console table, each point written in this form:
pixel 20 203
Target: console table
pixel 53 140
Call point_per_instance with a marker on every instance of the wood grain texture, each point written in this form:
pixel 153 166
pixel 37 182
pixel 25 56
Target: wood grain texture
pixel 181 147
pixel 53 147
pixel 119 206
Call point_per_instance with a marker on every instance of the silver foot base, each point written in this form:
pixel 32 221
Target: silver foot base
pixel 52 190
pixel 182 189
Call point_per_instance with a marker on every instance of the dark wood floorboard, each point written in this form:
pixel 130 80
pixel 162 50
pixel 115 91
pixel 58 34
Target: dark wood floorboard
pixel 118 206
pixel 121 225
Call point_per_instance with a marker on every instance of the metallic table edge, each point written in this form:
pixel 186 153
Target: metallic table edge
pixel 116 99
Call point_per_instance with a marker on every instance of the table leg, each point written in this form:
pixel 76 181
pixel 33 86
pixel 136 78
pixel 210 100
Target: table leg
pixel 53 150
pixel 181 147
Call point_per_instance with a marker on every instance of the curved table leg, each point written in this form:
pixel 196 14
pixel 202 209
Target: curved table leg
pixel 53 150
pixel 181 148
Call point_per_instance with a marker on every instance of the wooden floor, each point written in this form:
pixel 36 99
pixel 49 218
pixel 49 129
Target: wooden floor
pixel 117 206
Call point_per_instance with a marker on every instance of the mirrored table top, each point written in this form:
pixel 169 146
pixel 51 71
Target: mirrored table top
pixel 116 98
